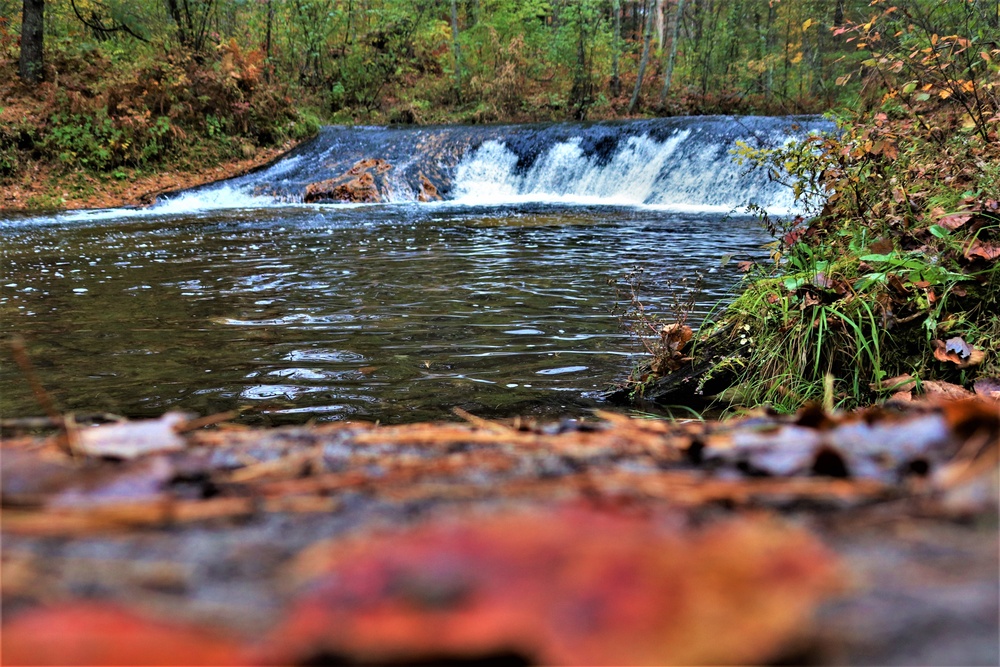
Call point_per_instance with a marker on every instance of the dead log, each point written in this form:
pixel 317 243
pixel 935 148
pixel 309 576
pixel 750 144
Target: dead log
pixel 713 368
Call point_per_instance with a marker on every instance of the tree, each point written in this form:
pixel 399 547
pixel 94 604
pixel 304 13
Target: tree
pixel 645 56
pixel 616 47
pixel 674 34
pixel 456 50
pixel 32 41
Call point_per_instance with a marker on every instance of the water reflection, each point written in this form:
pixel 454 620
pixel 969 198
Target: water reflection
pixel 395 313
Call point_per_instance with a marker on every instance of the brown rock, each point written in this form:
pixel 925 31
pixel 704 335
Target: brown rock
pixel 363 183
pixel 428 192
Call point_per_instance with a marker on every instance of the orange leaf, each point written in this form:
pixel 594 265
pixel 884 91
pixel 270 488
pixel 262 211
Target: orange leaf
pixel 987 251
pixel 91 633
pixel 954 221
pixel 564 587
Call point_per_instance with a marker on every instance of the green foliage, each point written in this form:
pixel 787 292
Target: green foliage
pixel 392 60
pixel 164 104
pixel 904 252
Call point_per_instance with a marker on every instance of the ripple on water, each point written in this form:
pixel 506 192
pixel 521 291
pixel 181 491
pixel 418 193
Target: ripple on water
pixel 562 370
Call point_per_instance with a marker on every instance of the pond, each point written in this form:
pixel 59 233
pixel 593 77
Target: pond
pixel 498 300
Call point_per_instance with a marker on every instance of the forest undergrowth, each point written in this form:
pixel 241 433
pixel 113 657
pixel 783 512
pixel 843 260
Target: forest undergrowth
pixel 98 124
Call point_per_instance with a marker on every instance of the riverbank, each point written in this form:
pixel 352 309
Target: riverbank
pixel 44 187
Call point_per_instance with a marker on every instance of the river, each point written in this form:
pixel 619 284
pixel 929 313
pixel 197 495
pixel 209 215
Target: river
pixel 498 299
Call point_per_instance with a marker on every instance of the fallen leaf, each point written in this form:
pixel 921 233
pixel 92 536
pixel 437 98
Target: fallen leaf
pixel 92 633
pixel 959 347
pixel 881 247
pixel 132 439
pixel 957 351
pixel 954 221
pixel 559 587
pixel 987 251
pixel 904 382
pixel 946 390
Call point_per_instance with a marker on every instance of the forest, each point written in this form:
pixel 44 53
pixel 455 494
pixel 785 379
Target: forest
pixel 798 461
pixel 112 87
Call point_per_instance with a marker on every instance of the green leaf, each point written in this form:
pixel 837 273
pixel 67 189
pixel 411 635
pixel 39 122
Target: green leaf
pixel 939 231
pixel 892 257
pixel 868 280
pixel 792 284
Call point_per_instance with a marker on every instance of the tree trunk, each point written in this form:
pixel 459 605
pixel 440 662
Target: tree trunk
pixel 660 27
pixel 267 42
pixel 674 34
pixel 32 41
pixel 178 19
pixel 616 46
pixel 645 55
pixel 457 50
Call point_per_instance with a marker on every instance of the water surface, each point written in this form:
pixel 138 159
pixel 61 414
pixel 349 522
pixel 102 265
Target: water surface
pixel 392 312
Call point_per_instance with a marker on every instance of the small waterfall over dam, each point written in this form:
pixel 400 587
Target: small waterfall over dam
pixel 672 163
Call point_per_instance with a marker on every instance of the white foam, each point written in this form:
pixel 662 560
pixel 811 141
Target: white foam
pixel 684 173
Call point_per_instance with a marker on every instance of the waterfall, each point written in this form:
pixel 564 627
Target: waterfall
pixel 670 163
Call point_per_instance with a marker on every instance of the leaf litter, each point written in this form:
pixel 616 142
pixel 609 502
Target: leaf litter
pixel 614 541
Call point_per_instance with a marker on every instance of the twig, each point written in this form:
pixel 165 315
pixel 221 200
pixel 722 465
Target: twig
pixel 69 437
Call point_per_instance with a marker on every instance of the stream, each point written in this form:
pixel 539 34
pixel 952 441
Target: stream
pixel 499 299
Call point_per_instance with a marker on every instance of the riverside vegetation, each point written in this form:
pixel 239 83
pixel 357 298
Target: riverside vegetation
pixel 893 287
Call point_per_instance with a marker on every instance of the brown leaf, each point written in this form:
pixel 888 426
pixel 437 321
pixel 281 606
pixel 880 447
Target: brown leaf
pixel 905 396
pixel 957 351
pixel 564 587
pixel 981 249
pixel 881 247
pixel 822 281
pixel 676 335
pixel 946 390
pixel 897 284
pixel 954 221
pixel 899 383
